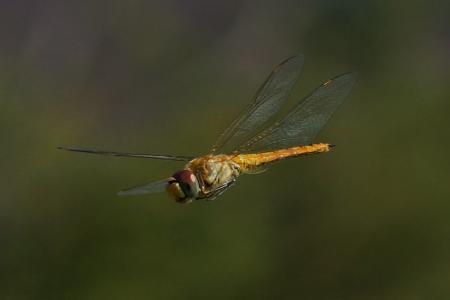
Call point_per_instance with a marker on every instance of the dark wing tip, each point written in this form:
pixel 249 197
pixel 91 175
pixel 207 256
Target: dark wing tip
pixel 69 148
pixel 122 193
pixel 299 56
pixel 353 74
pixel 343 80
pixel 79 150
pixel 130 192
pixel 347 75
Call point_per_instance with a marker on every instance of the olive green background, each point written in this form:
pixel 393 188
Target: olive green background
pixel 370 220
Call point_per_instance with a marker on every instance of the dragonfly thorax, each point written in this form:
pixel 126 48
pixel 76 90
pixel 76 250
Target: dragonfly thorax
pixel 214 172
pixel 183 186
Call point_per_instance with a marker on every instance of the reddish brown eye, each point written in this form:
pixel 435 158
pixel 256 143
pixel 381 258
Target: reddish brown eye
pixel 188 182
pixel 184 176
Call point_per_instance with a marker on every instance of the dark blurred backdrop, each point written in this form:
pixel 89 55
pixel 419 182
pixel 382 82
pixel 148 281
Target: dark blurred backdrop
pixel 368 221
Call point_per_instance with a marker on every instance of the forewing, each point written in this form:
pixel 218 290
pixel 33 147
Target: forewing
pixel 124 154
pixel 266 102
pixel 305 121
pixel 149 188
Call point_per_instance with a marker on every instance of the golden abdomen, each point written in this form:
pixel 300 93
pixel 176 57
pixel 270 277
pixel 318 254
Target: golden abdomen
pixel 248 162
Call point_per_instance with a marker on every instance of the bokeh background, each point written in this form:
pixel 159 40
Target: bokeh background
pixel 368 221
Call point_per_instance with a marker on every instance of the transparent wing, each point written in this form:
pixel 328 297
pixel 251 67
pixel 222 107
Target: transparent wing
pixel 305 121
pixel 152 187
pixel 266 102
pixel 123 154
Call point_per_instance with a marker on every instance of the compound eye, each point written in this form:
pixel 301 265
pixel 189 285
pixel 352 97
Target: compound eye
pixel 184 176
pixel 188 183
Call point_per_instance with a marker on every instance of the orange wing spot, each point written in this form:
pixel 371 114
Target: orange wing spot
pixel 327 82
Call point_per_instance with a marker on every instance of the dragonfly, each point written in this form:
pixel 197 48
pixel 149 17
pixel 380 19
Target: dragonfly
pixel 256 139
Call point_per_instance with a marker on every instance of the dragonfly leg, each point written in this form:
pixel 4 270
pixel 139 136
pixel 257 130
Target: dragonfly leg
pixel 217 191
pixel 201 183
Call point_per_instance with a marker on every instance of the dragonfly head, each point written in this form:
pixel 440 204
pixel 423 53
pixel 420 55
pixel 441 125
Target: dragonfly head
pixel 183 186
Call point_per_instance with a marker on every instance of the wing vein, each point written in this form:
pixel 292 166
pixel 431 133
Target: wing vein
pixel 267 101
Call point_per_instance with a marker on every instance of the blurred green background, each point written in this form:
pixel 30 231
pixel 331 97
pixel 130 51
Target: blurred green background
pixel 368 221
